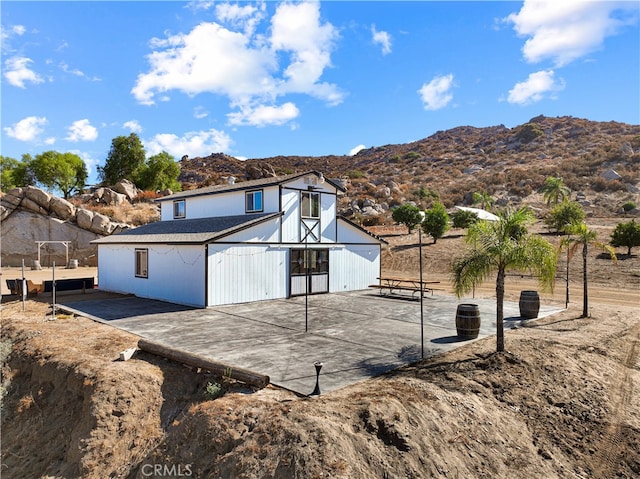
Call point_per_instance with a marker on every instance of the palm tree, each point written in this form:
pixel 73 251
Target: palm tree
pixel 485 199
pixel 554 190
pixel 498 246
pixel 580 234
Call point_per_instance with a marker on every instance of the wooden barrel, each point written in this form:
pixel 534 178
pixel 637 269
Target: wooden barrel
pixel 529 304
pixel 468 321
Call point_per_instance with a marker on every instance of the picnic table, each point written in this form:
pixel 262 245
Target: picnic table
pixel 389 285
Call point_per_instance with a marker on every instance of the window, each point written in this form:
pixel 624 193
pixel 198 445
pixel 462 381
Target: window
pixel 317 261
pixel 253 201
pixel 310 204
pixel 142 263
pixel 179 209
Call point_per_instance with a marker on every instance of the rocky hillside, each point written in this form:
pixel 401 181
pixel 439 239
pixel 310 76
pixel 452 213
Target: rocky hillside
pixel 508 163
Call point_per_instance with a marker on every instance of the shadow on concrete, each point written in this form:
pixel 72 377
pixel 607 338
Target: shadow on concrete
pixel 450 339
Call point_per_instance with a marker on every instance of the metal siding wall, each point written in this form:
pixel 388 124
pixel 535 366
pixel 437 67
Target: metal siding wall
pixel 291 218
pixel 265 232
pixel 244 273
pixel 328 218
pixel 176 273
pixel 353 267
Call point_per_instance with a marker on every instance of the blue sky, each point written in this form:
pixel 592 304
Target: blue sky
pixel 261 79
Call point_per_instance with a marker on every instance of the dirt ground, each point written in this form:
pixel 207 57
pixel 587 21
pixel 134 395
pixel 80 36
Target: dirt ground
pixel 563 401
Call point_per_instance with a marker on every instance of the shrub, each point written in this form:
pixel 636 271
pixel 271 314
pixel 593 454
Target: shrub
pixel 412 155
pixel 529 132
pixel 408 215
pixel 464 218
pixel 213 391
pixel 626 235
pixel 354 174
pixel 628 206
pixel 564 214
pixel 436 221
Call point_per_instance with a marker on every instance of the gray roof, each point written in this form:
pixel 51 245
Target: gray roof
pixel 244 185
pixel 195 231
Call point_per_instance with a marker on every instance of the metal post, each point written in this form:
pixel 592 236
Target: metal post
pixel 421 296
pixel 306 283
pixel 24 288
pixel 53 292
pixel 566 302
pixel 316 391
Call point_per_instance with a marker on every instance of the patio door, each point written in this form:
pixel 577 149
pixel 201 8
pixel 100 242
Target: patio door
pixel 309 271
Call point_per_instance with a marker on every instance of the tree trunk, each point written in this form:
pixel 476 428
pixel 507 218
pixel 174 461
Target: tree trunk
pixel 500 310
pixel 585 293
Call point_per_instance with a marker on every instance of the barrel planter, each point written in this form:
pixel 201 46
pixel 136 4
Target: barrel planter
pixel 529 304
pixel 468 321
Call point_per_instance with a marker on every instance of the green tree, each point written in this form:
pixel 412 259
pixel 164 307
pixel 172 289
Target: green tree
pixel 7 167
pixel 436 221
pixel 159 173
pixel 497 246
pixel 554 190
pixel 626 235
pixel 564 215
pixel 464 218
pixel 126 160
pixel 484 199
pixel 408 215
pixel 65 172
pixel 15 173
pixel 581 235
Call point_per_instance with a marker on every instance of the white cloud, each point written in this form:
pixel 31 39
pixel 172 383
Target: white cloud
pixel 382 38
pixel 251 69
pixel 195 143
pixel 245 17
pixel 200 112
pixel 437 93
pixel 133 126
pixel 356 149
pixel 49 141
pixel 74 71
pixel 17 72
pixel 535 88
pixel 18 29
pixel 82 130
pixel 26 129
pixel 564 31
pixel 263 115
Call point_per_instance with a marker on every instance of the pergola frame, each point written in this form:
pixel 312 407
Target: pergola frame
pixel 65 243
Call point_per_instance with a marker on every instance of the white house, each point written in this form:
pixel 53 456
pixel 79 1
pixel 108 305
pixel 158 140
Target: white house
pixel 243 242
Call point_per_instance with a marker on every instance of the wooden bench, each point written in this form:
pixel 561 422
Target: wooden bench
pixel 69 284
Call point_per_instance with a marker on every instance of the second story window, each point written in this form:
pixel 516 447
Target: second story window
pixel 253 201
pixel 179 209
pixel 310 204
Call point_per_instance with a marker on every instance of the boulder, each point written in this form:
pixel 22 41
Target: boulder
pixel 30 205
pixel 126 188
pixel 101 224
pixel 98 194
pixel 110 197
pixel 38 196
pixel 13 198
pixel 4 212
pixel 84 218
pixel 62 208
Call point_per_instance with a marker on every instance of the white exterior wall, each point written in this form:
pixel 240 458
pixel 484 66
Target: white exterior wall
pixel 176 272
pixel 353 267
pixel 222 204
pixel 244 273
pixel 266 232
pixel 291 207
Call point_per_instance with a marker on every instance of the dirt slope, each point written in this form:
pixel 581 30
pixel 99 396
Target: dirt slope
pixel 563 403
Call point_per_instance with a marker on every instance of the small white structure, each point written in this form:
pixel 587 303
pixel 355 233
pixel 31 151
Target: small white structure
pixel 239 242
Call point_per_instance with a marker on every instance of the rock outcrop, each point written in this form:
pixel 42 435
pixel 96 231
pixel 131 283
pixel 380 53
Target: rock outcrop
pixel 30 214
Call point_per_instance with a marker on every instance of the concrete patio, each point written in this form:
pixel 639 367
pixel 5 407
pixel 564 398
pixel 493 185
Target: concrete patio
pixel 355 335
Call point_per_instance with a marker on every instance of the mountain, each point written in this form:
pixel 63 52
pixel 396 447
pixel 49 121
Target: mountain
pixel 510 164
